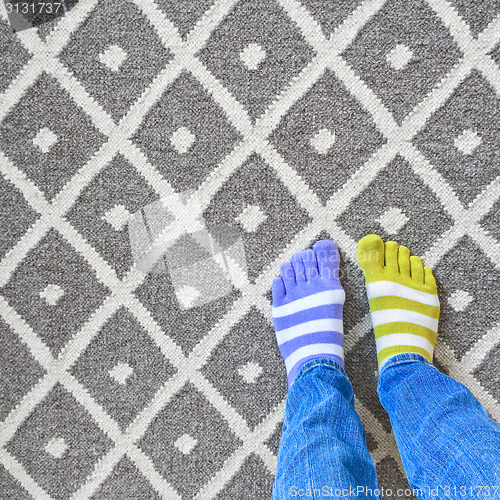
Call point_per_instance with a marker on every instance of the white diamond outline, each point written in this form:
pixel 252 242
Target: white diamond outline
pixel 481 205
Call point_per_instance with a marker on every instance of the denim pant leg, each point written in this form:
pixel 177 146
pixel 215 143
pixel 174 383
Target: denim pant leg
pixel 446 438
pixel 323 442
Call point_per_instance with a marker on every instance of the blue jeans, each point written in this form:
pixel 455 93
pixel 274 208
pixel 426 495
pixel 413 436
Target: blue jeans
pixel 449 445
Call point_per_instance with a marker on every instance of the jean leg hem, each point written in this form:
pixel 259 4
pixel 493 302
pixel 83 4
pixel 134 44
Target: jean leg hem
pixel 330 363
pixel 404 358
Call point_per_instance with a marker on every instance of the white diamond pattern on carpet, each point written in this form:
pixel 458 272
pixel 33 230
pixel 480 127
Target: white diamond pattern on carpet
pixel 194 106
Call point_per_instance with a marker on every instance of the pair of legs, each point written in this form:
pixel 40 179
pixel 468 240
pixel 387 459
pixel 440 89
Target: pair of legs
pixel 449 445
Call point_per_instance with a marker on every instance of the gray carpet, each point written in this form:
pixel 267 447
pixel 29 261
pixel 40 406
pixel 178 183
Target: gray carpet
pixel 287 122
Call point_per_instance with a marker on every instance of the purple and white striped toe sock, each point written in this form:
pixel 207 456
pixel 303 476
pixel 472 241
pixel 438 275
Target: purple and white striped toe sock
pixel 308 300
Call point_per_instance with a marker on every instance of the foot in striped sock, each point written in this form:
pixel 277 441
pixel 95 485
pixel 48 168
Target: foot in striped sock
pixel 307 308
pixel 404 305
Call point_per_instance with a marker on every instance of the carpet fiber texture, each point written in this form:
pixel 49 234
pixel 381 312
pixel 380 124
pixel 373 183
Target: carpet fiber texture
pixel 289 121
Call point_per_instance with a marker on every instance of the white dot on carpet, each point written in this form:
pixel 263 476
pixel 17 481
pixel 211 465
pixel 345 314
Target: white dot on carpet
pixel 399 57
pixel 45 139
pixel 251 218
pixel 187 295
pixel 51 294
pixel 250 372
pixel 113 57
pixel 392 220
pixel 323 141
pixel 56 447
pixel 467 141
pixel 117 217
pixel 252 56
pixel 121 372
pixel 182 140
pixel 185 444
pixel 459 300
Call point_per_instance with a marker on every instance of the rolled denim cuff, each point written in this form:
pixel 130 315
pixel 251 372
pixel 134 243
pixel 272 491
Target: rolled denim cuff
pixel 403 358
pixel 329 363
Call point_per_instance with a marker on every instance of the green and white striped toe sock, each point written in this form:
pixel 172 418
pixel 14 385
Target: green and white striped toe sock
pixel 402 293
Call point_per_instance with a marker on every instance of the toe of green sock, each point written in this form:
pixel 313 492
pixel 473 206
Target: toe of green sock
pixel 370 253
